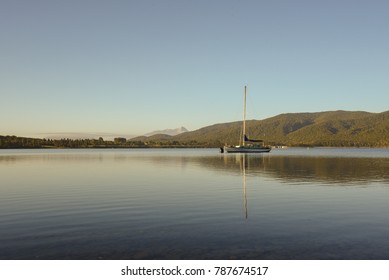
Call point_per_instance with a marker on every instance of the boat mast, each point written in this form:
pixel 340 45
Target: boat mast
pixel 244 116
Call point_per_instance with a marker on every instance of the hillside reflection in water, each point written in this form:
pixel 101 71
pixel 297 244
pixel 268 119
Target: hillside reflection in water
pixel 287 168
pixel 194 204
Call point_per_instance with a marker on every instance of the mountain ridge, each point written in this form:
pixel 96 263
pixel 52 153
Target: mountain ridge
pixel 328 128
pixel 169 131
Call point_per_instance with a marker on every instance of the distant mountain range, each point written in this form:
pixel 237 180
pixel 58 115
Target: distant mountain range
pixel 79 135
pixel 171 132
pixel 332 128
pixel 105 135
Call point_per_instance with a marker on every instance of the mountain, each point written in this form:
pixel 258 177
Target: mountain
pixel 78 135
pixel 171 132
pixel 332 128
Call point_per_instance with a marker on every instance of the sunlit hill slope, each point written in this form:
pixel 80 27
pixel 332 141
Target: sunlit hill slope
pixel 332 128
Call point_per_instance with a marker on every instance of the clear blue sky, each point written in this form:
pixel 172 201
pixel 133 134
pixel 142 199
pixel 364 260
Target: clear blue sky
pixel 130 67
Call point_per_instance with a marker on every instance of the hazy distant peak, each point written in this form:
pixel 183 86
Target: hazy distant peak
pixel 80 135
pixel 171 132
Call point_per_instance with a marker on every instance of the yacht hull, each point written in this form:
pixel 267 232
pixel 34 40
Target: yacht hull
pixel 227 149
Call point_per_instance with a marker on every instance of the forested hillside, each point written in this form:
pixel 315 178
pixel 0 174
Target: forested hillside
pixel 333 128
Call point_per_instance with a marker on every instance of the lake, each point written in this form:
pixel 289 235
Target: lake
pixel 317 203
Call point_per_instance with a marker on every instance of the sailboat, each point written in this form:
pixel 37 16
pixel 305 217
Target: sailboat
pixel 246 145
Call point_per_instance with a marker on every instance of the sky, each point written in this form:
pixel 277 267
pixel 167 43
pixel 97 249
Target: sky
pixel 129 67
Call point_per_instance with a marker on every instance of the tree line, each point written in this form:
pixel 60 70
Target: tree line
pixel 14 142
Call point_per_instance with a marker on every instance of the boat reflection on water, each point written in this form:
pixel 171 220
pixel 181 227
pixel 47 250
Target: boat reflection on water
pixel 244 164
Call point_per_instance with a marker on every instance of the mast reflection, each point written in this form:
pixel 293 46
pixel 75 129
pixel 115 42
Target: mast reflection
pixel 243 165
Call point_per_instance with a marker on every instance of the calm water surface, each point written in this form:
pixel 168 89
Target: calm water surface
pixel 194 204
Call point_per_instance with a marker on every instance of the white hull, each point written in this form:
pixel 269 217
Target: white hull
pixel 240 149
